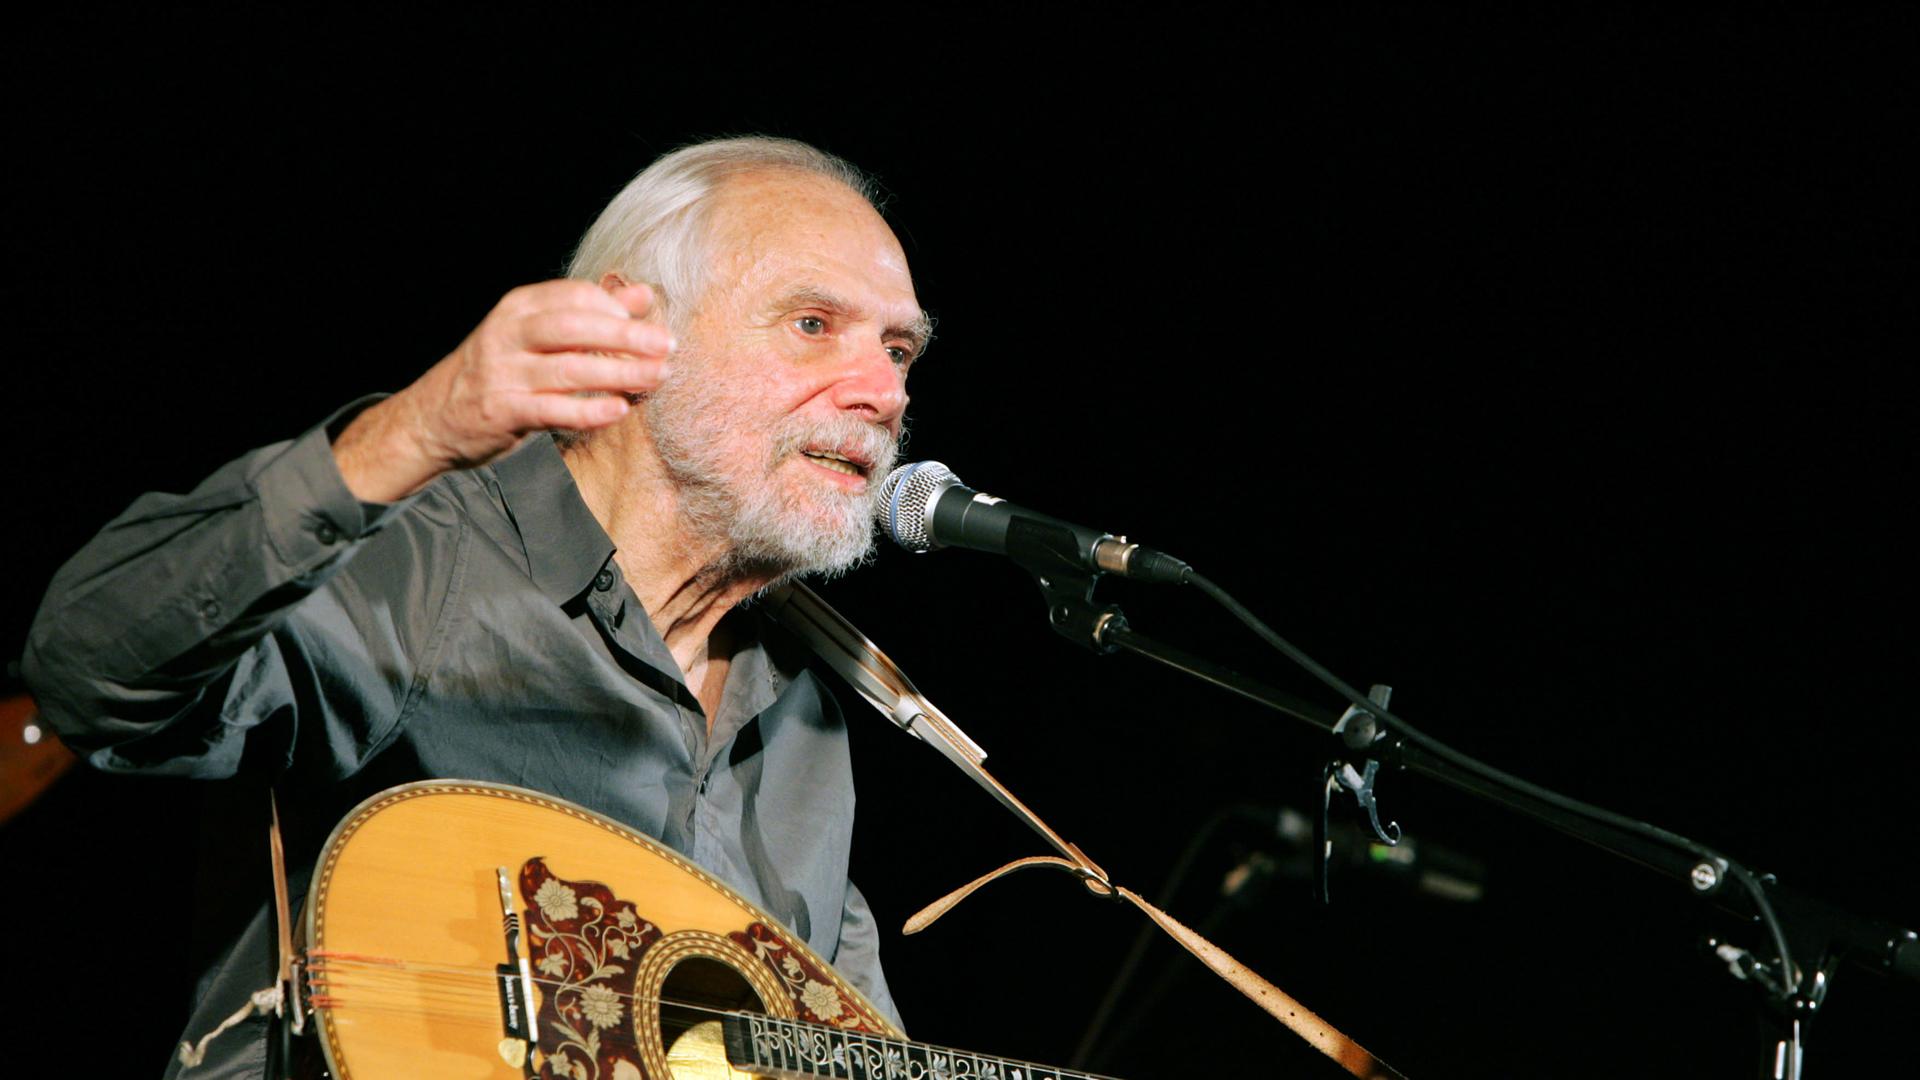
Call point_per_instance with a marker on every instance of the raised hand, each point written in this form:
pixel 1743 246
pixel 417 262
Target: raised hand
pixel 527 367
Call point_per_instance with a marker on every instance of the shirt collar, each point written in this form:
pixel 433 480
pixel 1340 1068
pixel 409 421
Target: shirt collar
pixel 566 546
pixel 567 549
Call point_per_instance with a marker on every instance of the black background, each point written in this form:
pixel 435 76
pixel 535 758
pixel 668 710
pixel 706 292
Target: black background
pixel 1549 371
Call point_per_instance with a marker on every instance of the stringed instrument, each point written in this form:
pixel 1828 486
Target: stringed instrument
pixel 471 930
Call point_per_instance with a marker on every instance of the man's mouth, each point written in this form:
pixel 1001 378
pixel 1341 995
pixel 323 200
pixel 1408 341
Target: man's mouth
pixel 835 461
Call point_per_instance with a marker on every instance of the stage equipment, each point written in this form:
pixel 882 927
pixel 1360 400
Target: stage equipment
pixel 924 506
pixel 1372 741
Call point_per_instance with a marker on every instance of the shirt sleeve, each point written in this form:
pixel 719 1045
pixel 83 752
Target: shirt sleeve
pixel 160 645
pixel 858 957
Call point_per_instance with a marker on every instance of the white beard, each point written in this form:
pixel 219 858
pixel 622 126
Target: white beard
pixel 766 523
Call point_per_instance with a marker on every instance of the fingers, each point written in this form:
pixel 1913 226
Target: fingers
pixel 573 371
pixel 637 299
pixel 576 413
pixel 578 329
pixel 560 354
pixel 626 300
pixel 559 293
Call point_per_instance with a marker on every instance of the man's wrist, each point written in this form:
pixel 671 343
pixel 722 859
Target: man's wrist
pixel 378 457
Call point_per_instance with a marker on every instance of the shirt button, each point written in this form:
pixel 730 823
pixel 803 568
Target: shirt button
pixel 210 609
pixel 603 580
pixel 703 785
pixel 326 533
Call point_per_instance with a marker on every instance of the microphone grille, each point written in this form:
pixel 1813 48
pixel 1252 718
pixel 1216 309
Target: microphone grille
pixel 904 499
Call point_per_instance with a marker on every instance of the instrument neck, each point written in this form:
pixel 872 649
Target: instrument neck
pixel 771 1046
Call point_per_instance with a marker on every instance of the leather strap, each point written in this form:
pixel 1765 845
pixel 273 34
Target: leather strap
pixel 1299 1019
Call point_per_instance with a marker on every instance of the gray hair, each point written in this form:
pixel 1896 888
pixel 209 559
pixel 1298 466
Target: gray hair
pixel 655 230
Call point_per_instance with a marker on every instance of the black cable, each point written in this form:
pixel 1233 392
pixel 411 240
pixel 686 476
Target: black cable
pixel 1745 877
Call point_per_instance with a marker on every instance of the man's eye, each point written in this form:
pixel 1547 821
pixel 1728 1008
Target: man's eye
pixel 900 356
pixel 811 324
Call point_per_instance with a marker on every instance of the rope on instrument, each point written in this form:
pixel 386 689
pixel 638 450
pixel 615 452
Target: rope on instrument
pixel 1299 1019
pixel 261 1002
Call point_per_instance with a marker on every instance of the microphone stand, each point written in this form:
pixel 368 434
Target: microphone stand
pixel 1802 925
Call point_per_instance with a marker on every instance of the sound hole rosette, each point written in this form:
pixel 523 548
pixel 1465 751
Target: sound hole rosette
pixel 650 980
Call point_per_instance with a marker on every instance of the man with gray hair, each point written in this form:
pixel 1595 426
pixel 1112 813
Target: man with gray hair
pixel 528 566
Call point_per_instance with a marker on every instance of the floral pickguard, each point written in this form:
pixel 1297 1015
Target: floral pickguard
pixel 584 945
pixel 813 991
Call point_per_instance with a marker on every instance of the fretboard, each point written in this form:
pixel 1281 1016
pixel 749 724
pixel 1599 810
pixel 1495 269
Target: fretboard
pixel 773 1047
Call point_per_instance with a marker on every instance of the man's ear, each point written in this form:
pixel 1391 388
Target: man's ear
pixel 612 280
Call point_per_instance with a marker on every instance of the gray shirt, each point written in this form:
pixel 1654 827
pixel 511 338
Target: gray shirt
pixel 269 625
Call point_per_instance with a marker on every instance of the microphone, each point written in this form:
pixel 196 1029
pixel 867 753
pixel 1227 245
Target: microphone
pixel 924 506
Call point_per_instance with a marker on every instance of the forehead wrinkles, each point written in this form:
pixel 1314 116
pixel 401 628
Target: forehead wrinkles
pixel 752 262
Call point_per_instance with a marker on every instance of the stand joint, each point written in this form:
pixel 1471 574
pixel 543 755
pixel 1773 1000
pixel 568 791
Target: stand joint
pixel 1072 612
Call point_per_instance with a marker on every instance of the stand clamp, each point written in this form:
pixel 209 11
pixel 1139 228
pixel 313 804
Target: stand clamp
pixel 1072 611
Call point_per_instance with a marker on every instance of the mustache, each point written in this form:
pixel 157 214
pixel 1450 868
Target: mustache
pixel 870 443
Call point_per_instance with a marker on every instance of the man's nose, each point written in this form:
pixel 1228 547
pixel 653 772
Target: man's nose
pixel 874 385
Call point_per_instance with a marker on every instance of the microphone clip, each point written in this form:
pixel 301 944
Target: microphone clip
pixel 1359 730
